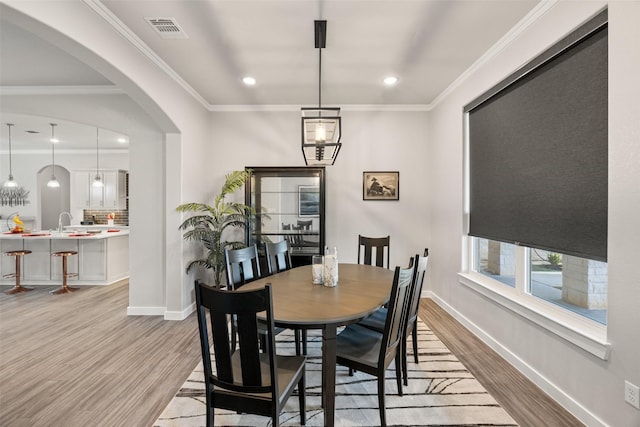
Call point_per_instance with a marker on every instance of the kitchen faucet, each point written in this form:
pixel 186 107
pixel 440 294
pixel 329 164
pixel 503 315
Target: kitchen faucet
pixel 60 220
pixel 9 219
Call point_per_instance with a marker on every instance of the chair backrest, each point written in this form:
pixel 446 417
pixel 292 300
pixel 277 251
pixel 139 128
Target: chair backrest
pixel 418 277
pixel 305 224
pixel 278 256
pixel 295 238
pixel 291 237
pixel 366 246
pixel 242 265
pixel 239 371
pixel 400 292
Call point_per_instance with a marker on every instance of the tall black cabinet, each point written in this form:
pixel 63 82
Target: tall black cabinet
pixel 290 205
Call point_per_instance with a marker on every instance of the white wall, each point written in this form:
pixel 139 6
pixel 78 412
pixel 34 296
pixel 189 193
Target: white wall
pixel 382 141
pixel 589 387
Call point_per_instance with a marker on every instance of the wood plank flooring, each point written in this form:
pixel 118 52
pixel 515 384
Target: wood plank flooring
pixel 78 360
pixel 523 400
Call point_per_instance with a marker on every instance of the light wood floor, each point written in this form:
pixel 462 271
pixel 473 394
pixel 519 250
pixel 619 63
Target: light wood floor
pixel 522 399
pixel 79 360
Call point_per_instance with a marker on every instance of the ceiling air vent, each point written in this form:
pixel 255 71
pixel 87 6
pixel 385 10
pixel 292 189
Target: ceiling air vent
pixel 167 28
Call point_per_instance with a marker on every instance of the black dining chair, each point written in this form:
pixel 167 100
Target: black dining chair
pixel 293 237
pixel 305 224
pixel 369 351
pixel 366 246
pixel 246 380
pixel 279 259
pixel 242 266
pixel 377 320
pixel 278 256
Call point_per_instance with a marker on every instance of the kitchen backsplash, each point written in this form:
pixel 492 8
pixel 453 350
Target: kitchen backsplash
pixel 121 217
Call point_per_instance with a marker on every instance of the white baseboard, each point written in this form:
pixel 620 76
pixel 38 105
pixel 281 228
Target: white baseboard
pixel 161 311
pixel 145 311
pixel 180 315
pixel 534 376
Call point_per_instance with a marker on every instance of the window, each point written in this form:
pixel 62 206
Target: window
pixel 536 189
pixel 572 283
pixel 564 294
pixel 577 284
pixel 496 260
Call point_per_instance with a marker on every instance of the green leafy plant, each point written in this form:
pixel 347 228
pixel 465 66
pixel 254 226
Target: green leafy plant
pixel 554 258
pixel 210 222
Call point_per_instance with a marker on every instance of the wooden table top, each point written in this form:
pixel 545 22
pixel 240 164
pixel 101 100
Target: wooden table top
pixel 299 303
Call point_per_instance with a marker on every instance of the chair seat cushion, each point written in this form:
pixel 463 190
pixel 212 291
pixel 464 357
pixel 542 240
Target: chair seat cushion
pixel 376 321
pixel 359 344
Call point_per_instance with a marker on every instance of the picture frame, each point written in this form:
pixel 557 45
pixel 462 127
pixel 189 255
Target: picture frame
pixel 381 185
pixel 308 201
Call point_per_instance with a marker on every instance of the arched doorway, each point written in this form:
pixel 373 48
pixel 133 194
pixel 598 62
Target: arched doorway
pixel 53 201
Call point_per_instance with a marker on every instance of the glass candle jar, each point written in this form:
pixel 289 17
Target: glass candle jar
pixel 317 269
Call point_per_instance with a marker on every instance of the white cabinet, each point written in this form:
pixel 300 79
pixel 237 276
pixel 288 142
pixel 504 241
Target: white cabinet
pixel 82 187
pixel 115 195
pixel 112 195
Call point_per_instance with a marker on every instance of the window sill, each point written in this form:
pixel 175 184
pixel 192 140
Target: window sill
pixel 584 333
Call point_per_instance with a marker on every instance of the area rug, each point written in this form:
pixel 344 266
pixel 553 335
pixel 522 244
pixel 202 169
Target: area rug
pixel 441 392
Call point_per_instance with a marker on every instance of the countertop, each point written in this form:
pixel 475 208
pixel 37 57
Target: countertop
pixel 80 234
pixel 96 227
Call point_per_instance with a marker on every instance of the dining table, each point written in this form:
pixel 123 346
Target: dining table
pixel 299 304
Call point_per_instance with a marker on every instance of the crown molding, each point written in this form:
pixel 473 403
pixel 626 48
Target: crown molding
pixel 125 32
pixel 296 108
pixel 540 9
pixel 47 152
pixel 61 90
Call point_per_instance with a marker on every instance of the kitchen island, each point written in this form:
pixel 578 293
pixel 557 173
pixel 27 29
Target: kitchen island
pixel 103 256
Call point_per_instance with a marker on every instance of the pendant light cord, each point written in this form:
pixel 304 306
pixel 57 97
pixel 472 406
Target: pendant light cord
pixel 53 160
pixel 53 157
pixel 10 168
pixel 319 78
pixel 97 156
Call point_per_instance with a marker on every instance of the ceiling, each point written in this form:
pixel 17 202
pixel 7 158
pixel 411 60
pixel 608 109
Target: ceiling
pixel 427 44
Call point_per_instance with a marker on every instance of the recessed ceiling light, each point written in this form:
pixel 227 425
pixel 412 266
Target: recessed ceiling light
pixel 122 140
pixel 390 81
pixel 249 81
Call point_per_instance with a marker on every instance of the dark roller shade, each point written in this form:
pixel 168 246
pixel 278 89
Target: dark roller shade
pixel 538 151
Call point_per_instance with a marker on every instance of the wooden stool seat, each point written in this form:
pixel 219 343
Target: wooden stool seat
pixel 64 289
pixel 17 288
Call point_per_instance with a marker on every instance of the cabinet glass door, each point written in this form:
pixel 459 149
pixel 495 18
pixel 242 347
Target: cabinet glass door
pixel 289 203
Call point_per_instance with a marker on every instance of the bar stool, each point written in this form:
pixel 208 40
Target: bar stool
pixel 64 289
pixel 17 288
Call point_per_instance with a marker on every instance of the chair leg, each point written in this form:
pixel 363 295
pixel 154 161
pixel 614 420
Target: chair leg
pixel 381 405
pixel 210 411
pixel 304 342
pixel 296 335
pixel 301 401
pixel 405 369
pixel 414 336
pixel 399 372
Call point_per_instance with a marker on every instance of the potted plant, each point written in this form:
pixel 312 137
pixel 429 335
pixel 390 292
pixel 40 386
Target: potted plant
pixel 211 221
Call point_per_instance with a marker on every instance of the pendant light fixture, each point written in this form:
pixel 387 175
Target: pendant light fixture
pixel 97 180
pixel 10 183
pixel 321 127
pixel 53 182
